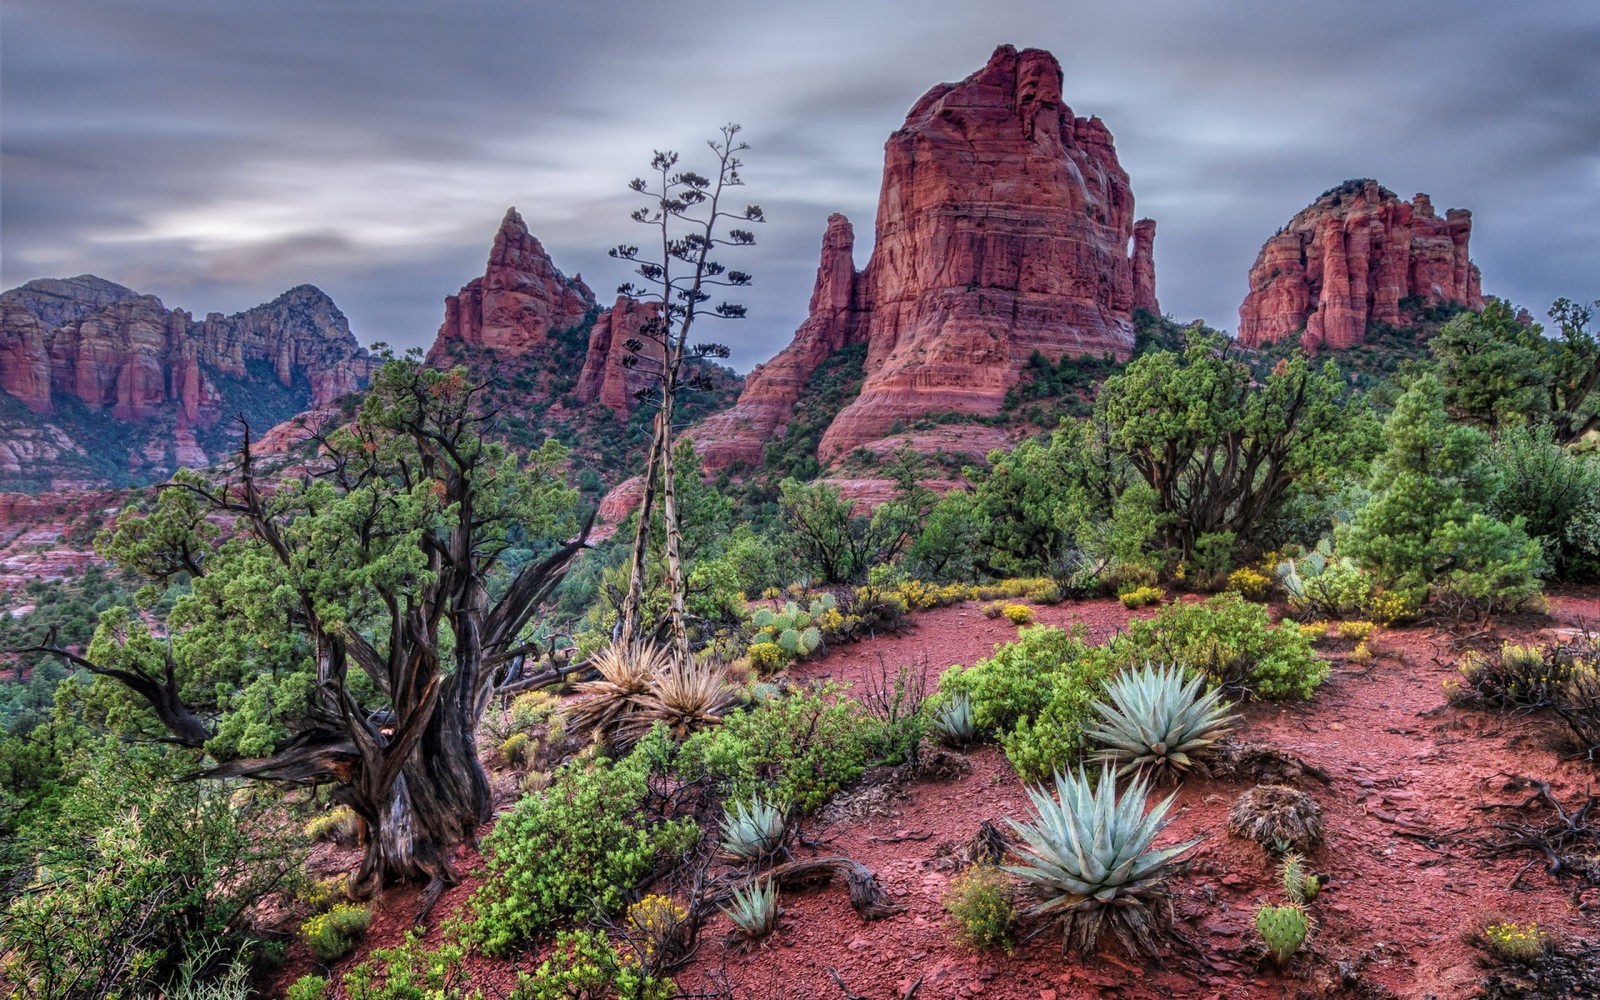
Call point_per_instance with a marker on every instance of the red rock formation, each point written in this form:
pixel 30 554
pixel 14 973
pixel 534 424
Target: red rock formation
pixel 604 379
pixel 1004 228
pixel 116 351
pixel 32 530
pixel 136 358
pixel 1349 259
pixel 739 434
pixel 520 299
pixel 1144 267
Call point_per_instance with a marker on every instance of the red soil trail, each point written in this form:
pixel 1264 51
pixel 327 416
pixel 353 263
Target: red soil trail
pixel 1406 768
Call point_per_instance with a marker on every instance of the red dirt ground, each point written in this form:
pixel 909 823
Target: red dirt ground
pixel 1405 768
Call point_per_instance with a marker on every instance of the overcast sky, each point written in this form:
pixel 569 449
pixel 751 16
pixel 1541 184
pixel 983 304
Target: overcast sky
pixel 217 152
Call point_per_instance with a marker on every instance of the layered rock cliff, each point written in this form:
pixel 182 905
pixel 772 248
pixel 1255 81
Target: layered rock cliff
pixel 518 302
pixel 1357 255
pixel 1004 227
pixel 604 379
pixel 83 357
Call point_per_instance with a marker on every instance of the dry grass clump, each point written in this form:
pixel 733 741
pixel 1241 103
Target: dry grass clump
pixel 1279 818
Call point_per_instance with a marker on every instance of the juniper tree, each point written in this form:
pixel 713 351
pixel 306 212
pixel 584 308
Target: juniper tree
pixel 343 633
pixel 687 211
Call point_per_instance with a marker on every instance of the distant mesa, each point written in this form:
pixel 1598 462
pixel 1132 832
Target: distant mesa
pixel 1005 226
pixel 1356 256
pixel 76 353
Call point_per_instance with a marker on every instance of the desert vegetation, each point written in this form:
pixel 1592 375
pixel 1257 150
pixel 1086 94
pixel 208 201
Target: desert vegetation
pixel 392 720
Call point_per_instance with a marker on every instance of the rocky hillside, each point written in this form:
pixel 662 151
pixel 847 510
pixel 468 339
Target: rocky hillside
pixel 556 357
pixel 1358 255
pixel 103 386
pixel 1003 231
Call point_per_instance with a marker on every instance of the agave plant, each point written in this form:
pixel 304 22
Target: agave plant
pixel 1158 720
pixel 753 830
pixel 952 720
pixel 754 909
pixel 688 696
pixel 1089 863
pixel 604 704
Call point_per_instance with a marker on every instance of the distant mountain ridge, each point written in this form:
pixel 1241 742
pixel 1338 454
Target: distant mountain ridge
pixel 103 386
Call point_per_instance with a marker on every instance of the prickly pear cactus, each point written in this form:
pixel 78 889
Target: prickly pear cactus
pixel 1283 928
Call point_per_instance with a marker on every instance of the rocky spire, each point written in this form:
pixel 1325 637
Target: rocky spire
pixel 521 298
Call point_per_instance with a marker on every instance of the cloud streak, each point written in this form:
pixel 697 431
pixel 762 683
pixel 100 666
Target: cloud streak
pixel 215 152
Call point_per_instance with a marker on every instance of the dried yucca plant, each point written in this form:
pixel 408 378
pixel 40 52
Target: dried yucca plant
pixel 603 705
pixel 687 696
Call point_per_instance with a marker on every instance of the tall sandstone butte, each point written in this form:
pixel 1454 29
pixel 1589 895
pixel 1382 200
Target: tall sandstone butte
pixel 1350 259
pixel 1004 227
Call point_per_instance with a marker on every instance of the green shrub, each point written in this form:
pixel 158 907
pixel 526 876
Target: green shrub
pixel 140 877
pixel 983 902
pixel 1016 680
pixel 335 934
pixel 409 971
pixel 307 988
pixel 586 965
pixel 575 850
pixel 799 749
pixel 1231 640
pixel 1428 530
pixel 1036 694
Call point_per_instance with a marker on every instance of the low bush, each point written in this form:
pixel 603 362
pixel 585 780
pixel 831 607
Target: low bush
pixel 307 988
pixel 409 971
pixel 339 825
pixel 1232 641
pixel 1249 584
pixel 1018 614
pixel 586 965
pixel 982 900
pixel 1140 597
pixel 335 934
pixel 659 933
pixel 799 749
pixel 1036 695
pixel 575 850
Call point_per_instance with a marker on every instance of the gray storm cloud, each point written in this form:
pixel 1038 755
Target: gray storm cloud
pixel 215 152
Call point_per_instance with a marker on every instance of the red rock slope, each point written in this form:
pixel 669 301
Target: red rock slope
pixel 1349 259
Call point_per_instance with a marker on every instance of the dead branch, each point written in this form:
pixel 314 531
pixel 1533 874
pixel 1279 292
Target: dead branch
pixel 866 895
